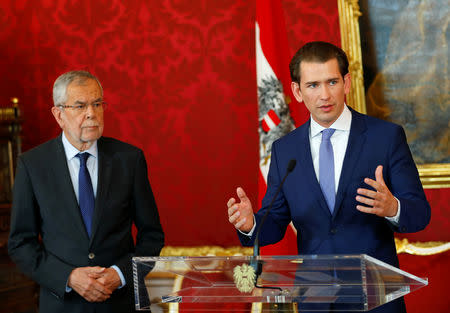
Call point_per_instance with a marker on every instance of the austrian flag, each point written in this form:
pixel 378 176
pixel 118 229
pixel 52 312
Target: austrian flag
pixel 270 120
pixel 272 72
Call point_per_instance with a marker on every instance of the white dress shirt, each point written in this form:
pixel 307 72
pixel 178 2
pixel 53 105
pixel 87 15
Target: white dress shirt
pixel 73 163
pixel 339 141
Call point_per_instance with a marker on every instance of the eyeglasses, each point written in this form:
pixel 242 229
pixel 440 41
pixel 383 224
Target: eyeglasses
pixel 82 107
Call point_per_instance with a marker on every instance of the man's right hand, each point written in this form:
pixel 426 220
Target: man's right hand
pixel 84 281
pixel 241 214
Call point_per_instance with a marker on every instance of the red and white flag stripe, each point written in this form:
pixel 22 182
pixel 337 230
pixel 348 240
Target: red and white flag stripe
pixel 270 121
pixel 272 71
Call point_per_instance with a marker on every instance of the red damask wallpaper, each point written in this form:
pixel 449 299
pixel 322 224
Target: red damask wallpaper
pixel 179 79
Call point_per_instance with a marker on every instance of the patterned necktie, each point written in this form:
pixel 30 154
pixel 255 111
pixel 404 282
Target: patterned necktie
pixel 326 168
pixel 85 192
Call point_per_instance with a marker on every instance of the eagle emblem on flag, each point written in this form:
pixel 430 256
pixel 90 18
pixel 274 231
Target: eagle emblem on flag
pixel 275 119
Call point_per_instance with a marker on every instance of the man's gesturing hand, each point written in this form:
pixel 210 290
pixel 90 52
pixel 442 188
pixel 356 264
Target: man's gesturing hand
pixel 380 202
pixel 240 214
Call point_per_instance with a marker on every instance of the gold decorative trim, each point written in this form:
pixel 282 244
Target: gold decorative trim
pixel 351 44
pixel 10 163
pixel 421 248
pixel 434 175
pixel 7 114
pixel 257 307
pixel 206 251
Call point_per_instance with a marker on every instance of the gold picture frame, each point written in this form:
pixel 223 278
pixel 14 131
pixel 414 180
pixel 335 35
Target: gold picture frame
pixel 434 175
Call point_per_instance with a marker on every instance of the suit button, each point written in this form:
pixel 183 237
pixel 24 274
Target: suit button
pixel 91 256
pixel 333 231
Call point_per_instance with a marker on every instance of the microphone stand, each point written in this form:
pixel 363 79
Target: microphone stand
pixel 255 263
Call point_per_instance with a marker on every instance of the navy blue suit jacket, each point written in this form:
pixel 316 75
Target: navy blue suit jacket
pixel 372 142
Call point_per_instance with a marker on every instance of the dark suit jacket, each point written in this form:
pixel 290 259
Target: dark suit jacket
pixel 372 142
pixel 48 238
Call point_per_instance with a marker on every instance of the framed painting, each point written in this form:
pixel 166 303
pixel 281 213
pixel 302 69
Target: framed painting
pixel 399 65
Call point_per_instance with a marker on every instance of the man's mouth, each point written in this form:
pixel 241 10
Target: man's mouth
pixel 326 108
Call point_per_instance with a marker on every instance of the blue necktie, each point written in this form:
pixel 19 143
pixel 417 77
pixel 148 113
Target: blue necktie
pixel 85 192
pixel 326 168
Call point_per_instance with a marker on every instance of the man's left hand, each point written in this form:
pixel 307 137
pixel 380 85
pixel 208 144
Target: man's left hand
pixel 380 202
pixel 108 278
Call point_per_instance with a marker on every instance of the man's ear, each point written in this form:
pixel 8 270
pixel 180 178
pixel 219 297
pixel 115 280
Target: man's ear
pixel 295 87
pixel 57 115
pixel 347 83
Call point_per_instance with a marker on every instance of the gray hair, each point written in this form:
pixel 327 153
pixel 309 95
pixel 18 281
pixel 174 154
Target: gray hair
pixel 61 83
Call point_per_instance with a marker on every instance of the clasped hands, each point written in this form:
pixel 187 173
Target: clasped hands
pixel 380 202
pixel 95 284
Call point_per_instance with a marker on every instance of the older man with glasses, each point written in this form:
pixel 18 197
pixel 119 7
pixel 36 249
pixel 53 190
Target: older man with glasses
pixel 75 200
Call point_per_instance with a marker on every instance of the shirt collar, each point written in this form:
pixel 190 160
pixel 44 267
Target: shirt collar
pixel 343 123
pixel 71 151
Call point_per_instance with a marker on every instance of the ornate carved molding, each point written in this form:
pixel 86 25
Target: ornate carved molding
pixel 351 44
pixel 421 248
pixel 434 175
pixel 205 251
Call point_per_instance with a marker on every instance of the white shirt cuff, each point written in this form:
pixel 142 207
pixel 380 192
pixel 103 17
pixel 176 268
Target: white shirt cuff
pixel 250 233
pixel 394 219
pixel 122 278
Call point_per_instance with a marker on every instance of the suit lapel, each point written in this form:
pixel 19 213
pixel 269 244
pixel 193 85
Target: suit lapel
pixel 307 172
pixel 104 178
pixel 355 145
pixel 61 176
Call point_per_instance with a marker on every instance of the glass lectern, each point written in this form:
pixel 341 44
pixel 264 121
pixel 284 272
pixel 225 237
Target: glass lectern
pixel 313 282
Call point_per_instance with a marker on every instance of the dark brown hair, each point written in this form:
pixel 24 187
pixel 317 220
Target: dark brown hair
pixel 317 51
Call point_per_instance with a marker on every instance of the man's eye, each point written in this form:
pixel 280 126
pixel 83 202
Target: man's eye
pixel 333 82
pixel 79 107
pixel 96 104
pixel 312 85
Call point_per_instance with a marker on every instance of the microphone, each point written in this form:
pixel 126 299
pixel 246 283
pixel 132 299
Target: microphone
pixel 255 264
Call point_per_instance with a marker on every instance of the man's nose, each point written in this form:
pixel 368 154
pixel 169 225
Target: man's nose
pixel 90 111
pixel 325 92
